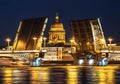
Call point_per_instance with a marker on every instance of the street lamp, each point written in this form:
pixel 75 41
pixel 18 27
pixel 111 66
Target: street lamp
pixel 34 38
pixel 110 42
pixel 8 41
pixel 88 45
pixel 72 41
pixel 44 41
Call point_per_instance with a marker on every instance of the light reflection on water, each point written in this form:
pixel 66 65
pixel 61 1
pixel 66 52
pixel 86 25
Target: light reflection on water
pixel 61 75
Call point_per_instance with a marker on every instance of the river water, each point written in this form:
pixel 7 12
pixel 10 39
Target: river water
pixel 61 75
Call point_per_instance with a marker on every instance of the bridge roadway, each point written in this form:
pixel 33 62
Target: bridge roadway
pixel 20 54
pixel 29 54
pixel 114 55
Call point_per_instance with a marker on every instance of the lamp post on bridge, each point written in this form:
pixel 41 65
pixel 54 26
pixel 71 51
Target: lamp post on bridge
pixel 34 38
pixel 73 45
pixel 8 42
pixel 44 41
pixel 110 42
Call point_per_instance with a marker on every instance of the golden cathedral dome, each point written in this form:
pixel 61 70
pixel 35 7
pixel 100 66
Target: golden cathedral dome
pixel 57 25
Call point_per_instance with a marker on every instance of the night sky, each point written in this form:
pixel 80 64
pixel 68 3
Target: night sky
pixel 12 11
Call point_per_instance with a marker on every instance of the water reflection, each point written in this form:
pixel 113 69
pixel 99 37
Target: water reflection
pixel 39 75
pixel 117 76
pixel 20 76
pixel 16 75
pixel 61 75
pixel 87 75
pixel 58 76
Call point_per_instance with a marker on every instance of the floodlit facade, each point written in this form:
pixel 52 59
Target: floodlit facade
pixel 29 34
pixel 56 32
pixel 88 35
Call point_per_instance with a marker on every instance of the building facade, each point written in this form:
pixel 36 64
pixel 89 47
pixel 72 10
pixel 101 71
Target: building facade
pixel 56 32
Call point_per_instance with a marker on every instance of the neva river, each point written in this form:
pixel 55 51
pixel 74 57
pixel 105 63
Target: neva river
pixel 61 75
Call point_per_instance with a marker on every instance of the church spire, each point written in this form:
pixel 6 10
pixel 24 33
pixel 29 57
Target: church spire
pixel 56 18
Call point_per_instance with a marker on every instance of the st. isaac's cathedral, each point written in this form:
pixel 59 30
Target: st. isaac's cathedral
pixel 57 32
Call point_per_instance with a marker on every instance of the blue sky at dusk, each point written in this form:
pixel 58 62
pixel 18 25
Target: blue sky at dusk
pixel 12 11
